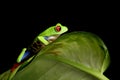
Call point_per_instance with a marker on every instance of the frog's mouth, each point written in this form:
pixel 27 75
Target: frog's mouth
pixel 52 38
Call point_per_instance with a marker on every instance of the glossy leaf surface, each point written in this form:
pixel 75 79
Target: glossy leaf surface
pixel 73 56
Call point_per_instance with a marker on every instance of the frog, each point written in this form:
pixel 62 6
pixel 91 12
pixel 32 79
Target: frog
pixel 43 39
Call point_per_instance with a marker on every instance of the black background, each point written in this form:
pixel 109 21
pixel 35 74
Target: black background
pixel 19 29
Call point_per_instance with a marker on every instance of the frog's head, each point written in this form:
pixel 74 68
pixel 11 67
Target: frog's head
pixel 56 31
pixel 59 29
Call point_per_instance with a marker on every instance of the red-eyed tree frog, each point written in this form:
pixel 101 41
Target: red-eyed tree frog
pixel 43 39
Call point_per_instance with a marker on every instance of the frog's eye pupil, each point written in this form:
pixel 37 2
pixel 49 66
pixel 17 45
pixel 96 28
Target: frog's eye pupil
pixel 58 28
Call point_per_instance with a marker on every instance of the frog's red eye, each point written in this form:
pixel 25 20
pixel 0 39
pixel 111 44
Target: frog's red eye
pixel 57 28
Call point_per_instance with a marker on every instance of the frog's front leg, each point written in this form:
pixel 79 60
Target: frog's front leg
pixel 43 40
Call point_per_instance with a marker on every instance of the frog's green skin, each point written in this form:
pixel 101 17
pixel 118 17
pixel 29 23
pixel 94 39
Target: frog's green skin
pixel 51 32
pixel 46 37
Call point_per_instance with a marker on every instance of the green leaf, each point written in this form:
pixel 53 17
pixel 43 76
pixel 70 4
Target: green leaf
pixel 73 56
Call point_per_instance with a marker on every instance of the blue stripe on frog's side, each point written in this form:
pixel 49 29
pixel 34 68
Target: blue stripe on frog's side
pixel 46 37
pixel 26 54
